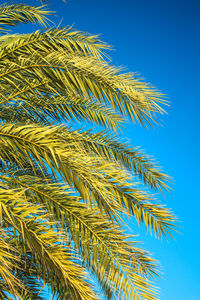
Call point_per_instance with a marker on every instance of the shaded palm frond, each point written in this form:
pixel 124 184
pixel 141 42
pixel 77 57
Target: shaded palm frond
pixel 46 111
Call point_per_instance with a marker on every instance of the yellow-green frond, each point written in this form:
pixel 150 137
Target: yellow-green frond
pixel 11 15
pixel 64 193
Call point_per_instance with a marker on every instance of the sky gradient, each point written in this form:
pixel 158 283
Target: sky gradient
pixel 160 41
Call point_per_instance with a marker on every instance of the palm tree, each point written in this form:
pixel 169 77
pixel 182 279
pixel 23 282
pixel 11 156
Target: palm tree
pixel 64 193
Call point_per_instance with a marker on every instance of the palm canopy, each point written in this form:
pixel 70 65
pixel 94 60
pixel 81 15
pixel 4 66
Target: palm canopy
pixel 64 193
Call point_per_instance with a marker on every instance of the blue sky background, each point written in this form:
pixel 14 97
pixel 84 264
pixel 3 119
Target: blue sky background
pixel 159 40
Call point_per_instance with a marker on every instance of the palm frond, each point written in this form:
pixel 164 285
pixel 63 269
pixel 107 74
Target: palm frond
pixel 98 240
pixel 45 245
pixel 64 193
pixel 65 38
pixel 90 175
pixel 11 15
pixel 104 143
pixel 86 75
pixel 9 259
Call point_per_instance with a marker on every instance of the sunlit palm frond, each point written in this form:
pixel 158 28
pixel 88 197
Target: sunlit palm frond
pixel 65 38
pixel 91 233
pixel 90 175
pixel 61 71
pixel 65 193
pixel 45 244
pixel 106 144
pixel 11 15
pixel 9 258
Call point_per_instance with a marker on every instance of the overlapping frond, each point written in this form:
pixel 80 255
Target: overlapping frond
pixel 64 71
pixel 106 144
pixel 64 193
pixel 100 241
pixel 54 259
pixel 108 184
pixel 9 258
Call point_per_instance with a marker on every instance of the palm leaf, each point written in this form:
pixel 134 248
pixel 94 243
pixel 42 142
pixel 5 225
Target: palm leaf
pixel 108 145
pixel 97 236
pixel 110 188
pixel 45 245
pixel 65 193
pixel 11 15
pixel 63 71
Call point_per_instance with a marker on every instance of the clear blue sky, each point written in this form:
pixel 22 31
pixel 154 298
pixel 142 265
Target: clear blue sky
pixel 160 40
